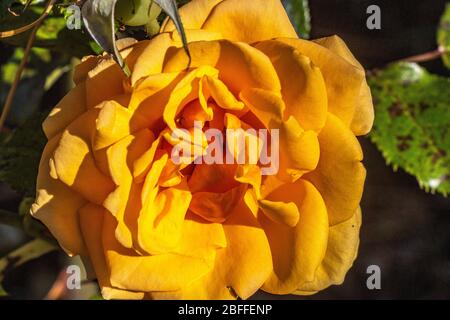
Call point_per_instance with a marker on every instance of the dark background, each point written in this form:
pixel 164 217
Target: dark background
pixel 405 231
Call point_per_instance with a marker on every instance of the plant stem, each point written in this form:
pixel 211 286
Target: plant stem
pixel 23 63
pixel 36 24
pixel 428 56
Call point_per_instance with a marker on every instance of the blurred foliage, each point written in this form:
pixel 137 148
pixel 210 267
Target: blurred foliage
pixel 31 87
pixel 20 152
pixel 443 35
pixel 31 250
pixel 53 34
pixel 298 11
pixel 412 123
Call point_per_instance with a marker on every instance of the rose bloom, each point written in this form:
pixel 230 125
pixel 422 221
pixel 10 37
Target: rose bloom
pixel 108 190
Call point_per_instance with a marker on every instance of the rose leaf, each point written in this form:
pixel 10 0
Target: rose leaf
pixel 170 8
pixel 412 123
pixel 98 18
pixel 443 35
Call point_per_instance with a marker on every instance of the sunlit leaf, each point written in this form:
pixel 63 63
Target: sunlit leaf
pixel 412 123
pixel 443 35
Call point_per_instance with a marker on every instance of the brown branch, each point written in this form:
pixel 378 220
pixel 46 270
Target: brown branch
pixel 428 56
pixel 38 21
pixel 23 63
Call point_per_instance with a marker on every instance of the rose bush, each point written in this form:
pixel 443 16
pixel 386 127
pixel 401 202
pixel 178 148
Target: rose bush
pixel 108 190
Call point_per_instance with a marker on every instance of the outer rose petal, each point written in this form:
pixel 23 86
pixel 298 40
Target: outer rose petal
pixel 296 251
pixel 151 60
pixel 163 272
pixel 193 14
pixel 68 109
pixel 240 65
pixel 343 80
pixel 243 265
pixel 302 84
pixel 75 164
pixel 364 114
pixel 121 157
pixel 56 205
pixel 239 20
pixel 103 77
pixel 91 222
pixel 342 249
pixel 340 175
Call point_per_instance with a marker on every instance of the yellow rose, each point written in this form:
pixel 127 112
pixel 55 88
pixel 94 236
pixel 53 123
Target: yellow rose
pixel 109 191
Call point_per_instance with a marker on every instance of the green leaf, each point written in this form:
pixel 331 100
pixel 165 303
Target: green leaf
pixel 136 12
pixel 31 250
pixel 443 35
pixel 20 153
pixel 298 11
pixel 171 9
pixel 412 123
pixel 98 18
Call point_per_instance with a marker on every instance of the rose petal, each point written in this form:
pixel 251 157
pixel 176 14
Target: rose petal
pixel 56 205
pixel 240 268
pixel 343 80
pixel 340 175
pixel 147 273
pixel 121 157
pixel 67 110
pixel 193 14
pixel 296 251
pixel 302 84
pixel 240 65
pixel 75 164
pixel 91 222
pixel 250 21
pixel 342 249
pixel 151 60
pixel 364 114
